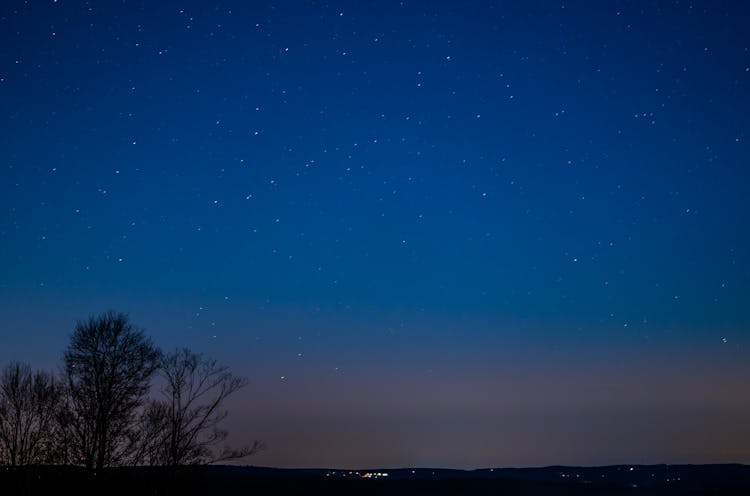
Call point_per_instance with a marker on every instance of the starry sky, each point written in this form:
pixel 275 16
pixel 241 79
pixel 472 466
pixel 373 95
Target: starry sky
pixel 459 234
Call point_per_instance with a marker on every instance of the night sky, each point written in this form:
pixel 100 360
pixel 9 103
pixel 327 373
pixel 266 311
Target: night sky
pixel 459 234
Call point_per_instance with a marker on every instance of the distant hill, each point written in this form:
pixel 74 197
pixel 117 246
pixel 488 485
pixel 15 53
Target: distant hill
pixel 238 480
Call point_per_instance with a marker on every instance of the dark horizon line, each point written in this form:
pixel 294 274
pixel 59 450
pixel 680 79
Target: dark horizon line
pixel 478 469
pixel 401 468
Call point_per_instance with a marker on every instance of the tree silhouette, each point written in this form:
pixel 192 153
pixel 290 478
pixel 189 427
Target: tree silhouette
pixel 183 426
pixel 28 407
pixel 107 368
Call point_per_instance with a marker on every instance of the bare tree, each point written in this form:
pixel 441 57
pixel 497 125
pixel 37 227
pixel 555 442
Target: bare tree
pixel 183 426
pixel 28 408
pixel 107 368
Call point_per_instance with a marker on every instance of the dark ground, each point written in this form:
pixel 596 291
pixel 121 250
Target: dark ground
pixel 225 480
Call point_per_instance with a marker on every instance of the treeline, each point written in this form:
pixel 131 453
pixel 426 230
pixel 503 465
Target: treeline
pixel 117 401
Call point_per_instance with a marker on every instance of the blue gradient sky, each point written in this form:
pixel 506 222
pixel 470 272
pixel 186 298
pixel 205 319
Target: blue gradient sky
pixel 429 233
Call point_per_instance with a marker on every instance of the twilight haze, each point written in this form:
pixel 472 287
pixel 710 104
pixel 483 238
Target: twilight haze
pixel 453 234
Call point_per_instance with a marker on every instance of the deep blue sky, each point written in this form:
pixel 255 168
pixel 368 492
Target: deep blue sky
pixel 429 233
